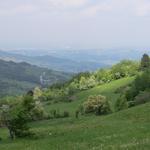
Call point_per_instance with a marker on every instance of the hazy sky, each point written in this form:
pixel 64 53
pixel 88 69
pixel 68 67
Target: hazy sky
pixel 74 23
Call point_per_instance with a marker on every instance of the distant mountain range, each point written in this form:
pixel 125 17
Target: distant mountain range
pixel 59 63
pixel 16 78
pixel 72 60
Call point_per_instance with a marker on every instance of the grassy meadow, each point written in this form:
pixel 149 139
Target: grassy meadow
pixel 125 130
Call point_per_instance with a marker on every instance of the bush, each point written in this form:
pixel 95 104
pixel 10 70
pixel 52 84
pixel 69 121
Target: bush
pixel 77 113
pixel 142 98
pixel 122 89
pixel 66 114
pixel 125 68
pixel 56 114
pixel 131 104
pixel 96 104
pixel 121 103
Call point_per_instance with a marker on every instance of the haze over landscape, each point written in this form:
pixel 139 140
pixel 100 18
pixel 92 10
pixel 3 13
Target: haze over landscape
pixel 74 75
pixel 76 24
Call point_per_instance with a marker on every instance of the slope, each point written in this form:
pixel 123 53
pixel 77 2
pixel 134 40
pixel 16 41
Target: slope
pixel 107 90
pixel 19 77
pixel 127 129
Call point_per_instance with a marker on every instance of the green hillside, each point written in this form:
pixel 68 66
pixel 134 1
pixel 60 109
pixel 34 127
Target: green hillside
pixel 128 129
pixel 107 90
pixel 53 119
pixel 124 130
pixel 16 78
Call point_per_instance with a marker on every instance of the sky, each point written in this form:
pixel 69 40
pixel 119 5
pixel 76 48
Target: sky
pixel 80 24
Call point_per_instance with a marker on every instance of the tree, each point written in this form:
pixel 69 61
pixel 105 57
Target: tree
pixel 37 93
pixel 83 83
pixel 15 119
pixel 96 104
pixel 91 82
pixel 145 62
pixel 124 68
pixel 33 108
pixel 16 116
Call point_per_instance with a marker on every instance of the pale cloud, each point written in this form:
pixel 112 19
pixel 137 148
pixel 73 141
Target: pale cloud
pixel 95 9
pixel 84 7
pixel 22 9
pixel 142 8
pixel 18 7
pixel 67 3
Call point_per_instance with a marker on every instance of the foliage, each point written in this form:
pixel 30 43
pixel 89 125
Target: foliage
pixel 15 119
pixel 85 81
pixel 17 78
pixel 17 114
pixel 142 97
pixel 96 104
pixel 37 93
pixel 141 83
pixel 121 103
pixel 138 93
pixel 127 129
pixel 145 62
pixel 56 114
pixel 124 68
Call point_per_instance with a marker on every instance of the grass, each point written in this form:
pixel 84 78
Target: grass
pixel 129 129
pixel 124 130
pixel 107 90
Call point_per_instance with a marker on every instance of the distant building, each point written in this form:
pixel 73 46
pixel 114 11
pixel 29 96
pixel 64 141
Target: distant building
pixel 44 81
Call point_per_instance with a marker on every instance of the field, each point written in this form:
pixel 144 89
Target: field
pixel 107 89
pixel 124 130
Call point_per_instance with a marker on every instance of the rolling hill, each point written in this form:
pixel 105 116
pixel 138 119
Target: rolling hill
pixel 16 78
pixel 55 63
pixel 127 129
pixel 107 90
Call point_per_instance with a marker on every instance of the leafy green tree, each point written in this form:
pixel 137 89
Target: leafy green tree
pixel 15 119
pixel 33 108
pixel 91 81
pixel 83 83
pixel 16 116
pixel 142 82
pixel 145 62
pixel 73 87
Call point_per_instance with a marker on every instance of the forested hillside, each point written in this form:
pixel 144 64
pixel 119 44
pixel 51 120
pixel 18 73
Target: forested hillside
pixel 16 78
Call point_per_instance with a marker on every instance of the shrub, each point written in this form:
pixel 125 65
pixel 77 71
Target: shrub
pixel 145 62
pixel 15 119
pixel 81 110
pixel 131 103
pixel 121 103
pixel 77 114
pixel 66 114
pixel 142 98
pixel 96 104
pixel 38 112
pixel 53 113
pixel 122 89
pixel 56 114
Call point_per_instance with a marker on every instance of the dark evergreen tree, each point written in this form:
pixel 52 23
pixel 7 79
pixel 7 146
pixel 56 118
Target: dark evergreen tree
pixel 145 62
